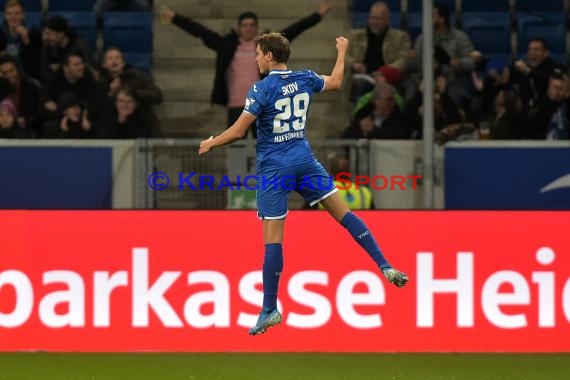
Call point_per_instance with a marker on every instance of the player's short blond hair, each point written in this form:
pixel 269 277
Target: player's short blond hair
pixel 277 44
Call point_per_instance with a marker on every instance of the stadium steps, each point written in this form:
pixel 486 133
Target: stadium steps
pixel 196 84
pixel 314 43
pixel 203 119
pixel 224 9
pixel 184 68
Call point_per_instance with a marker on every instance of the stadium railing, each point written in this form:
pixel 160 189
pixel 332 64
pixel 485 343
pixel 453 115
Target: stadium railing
pixel 107 174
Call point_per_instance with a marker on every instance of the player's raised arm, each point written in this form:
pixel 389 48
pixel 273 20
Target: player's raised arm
pixel 334 81
pixel 235 132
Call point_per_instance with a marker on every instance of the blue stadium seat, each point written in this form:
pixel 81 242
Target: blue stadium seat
pixel 540 5
pixel 141 61
pixel 33 19
pixel 489 31
pixel 85 23
pixel 560 58
pixel 395 19
pixel 29 5
pixel 364 5
pixel 550 26
pixel 485 6
pixel 360 19
pixel 414 24
pixel 70 5
pixel 415 6
pixel 498 61
pixel 129 31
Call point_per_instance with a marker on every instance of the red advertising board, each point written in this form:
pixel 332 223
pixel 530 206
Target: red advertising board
pixel 191 281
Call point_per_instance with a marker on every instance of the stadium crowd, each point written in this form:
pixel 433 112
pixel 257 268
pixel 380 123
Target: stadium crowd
pixel 475 95
pixel 53 86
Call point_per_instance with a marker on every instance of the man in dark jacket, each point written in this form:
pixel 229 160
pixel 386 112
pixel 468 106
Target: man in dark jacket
pixel 533 76
pixel 539 117
pixel 60 40
pixel 236 69
pixel 73 77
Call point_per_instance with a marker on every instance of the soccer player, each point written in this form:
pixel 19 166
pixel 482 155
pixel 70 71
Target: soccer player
pixel 280 103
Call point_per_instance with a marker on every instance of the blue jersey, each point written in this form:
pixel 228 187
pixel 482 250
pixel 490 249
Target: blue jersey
pixel 281 103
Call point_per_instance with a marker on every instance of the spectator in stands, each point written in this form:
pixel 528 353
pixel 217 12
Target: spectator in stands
pixel 541 119
pixel 559 125
pixel 76 78
pixel 532 77
pixel 117 74
pixel 378 46
pixel 236 69
pixel 446 112
pixel 361 126
pixel 19 41
pixel 381 77
pixel 486 84
pixel 508 121
pixel 356 197
pixel 102 6
pixel 127 120
pixel 25 94
pixel 380 120
pixel 73 122
pixel 453 52
pixel 59 40
pixel 9 127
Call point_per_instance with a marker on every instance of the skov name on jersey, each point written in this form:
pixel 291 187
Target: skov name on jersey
pixel 290 88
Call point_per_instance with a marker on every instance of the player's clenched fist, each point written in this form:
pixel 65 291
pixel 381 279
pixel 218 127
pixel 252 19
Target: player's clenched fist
pixel 341 43
pixel 205 146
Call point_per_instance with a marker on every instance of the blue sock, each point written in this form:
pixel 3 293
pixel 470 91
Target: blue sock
pixel 272 268
pixel 364 238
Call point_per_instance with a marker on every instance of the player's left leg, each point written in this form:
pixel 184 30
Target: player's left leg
pixel 363 236
pixel 322 190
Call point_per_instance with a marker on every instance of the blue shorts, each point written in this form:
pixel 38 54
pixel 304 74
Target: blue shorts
pixel 309 179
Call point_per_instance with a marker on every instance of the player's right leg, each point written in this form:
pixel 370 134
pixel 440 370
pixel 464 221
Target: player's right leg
pixel 272 203
pixel 272 268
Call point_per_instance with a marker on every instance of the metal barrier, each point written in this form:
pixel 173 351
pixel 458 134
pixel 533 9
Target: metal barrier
pixel 105 174
pixel 178 158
